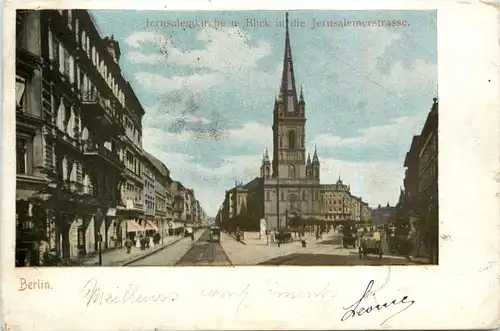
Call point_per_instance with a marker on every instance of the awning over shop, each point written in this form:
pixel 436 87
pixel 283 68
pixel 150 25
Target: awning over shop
pixel 175 225
pixel 151 226
pixel 133 226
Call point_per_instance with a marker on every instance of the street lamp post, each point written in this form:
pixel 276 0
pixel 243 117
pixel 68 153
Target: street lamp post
pixel 286 218
pixel 99 242
pixel 267 232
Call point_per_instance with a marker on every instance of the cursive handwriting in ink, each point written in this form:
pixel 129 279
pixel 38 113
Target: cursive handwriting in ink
pixel 355 309
pixel 227 294
pixel 93 294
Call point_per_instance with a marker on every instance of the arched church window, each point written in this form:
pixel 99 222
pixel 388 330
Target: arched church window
pixel 291 139
pixel 267 172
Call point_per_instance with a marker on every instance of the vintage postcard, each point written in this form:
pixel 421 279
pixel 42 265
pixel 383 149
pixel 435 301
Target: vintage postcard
pixel 216 136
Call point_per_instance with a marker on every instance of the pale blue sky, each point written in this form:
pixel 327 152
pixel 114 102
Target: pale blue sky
pixel 367 91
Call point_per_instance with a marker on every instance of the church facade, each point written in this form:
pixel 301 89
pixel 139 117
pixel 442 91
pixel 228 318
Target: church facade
pixel 289 184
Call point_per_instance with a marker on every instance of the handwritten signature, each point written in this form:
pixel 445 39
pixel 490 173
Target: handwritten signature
pixel 355 309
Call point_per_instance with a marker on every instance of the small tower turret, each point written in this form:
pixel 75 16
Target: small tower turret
pixel 315 164
pixel 265 169
pixel 309 170
pixel 302 104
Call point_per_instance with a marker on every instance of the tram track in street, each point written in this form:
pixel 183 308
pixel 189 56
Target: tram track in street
pixel 205 253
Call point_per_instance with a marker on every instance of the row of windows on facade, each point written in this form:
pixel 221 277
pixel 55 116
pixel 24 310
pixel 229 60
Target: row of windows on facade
pixel 83 39
pixel 150 205
pixel 67 119
pixel 335 202
pixel 331 194
pixel 132 163
pixel 68 67
pixel 334 217
pixel 338 210
pixel 69 168
pixel 133 192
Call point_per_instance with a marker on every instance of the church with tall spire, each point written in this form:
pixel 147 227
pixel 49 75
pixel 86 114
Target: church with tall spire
pixel 291 180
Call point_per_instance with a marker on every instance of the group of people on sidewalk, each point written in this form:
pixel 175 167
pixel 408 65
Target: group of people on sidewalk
pixel 143 242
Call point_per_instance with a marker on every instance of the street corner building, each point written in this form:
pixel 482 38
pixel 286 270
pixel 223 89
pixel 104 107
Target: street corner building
pixel 84 183
pixel 288 192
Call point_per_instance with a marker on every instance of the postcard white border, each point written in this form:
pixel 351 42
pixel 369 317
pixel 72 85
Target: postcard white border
pixel 462 292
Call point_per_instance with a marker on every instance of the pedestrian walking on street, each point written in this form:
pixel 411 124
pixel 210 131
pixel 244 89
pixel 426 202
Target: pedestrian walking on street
pixel 143 243
pixel 128 245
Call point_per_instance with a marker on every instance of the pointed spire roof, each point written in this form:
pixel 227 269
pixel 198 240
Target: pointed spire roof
pixel 308 158
pixel 301 97
pixel 266 156
pixel 315 156
pixel 288 89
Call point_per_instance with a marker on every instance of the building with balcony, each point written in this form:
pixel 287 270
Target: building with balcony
pixel 78 123
pixel 336 202
pixel 180 207
pixel 149 196
pixel 31 227
pixel 161 175
pixel 427 206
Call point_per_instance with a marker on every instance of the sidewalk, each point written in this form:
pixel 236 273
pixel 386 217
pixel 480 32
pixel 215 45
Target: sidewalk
pixel 119 256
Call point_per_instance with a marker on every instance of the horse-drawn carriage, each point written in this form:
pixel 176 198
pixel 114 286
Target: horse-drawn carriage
pixel 370 245
pixel 283 236
pixel 349 236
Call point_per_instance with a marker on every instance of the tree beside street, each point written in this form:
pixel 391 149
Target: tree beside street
pixel 63 201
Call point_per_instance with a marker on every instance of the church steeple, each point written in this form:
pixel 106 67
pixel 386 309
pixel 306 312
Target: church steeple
pixel 289 134
pixel 288 89
pixel 315 156
pixel 266 157
pixel 309 159
pixel 265 168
